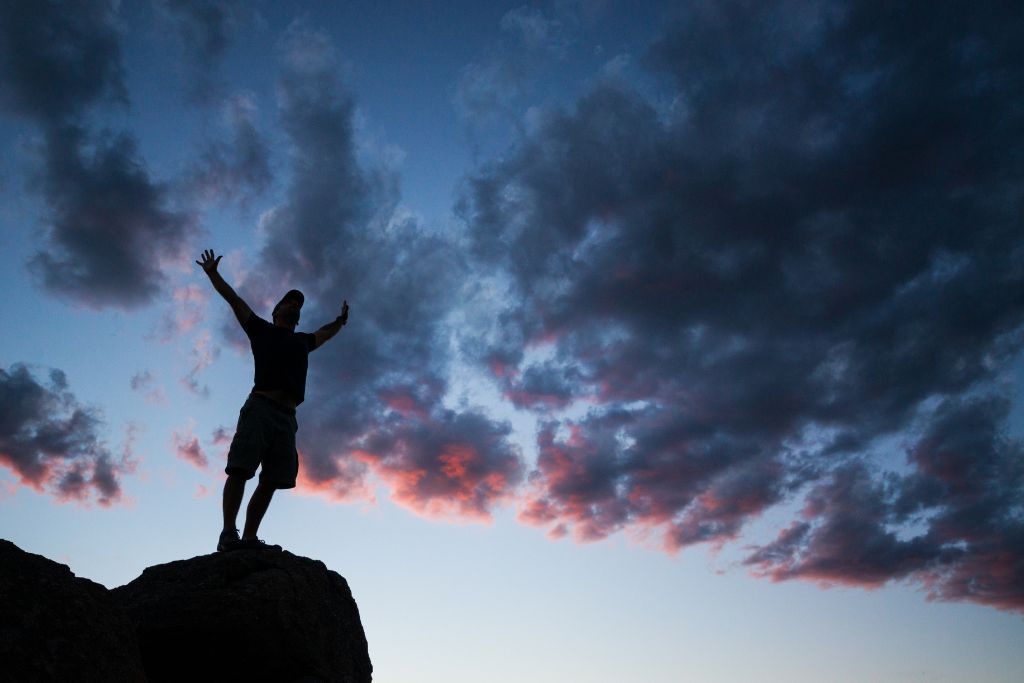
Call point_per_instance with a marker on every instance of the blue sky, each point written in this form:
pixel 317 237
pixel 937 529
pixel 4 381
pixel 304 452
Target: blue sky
pixel 685 338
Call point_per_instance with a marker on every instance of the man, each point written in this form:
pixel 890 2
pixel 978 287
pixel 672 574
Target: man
pixel 266 424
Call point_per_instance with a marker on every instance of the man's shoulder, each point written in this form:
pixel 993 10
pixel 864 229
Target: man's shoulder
pixel 255 323
pixel 308 338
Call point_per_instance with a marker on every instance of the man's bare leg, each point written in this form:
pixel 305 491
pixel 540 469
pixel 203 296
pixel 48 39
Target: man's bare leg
pixel 257 507
pixel 234 488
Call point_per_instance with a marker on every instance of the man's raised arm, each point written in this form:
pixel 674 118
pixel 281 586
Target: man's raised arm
pixel 331 328
pixel 209 265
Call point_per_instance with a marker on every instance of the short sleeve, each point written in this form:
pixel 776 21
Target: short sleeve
pixel 254 324
pixel 309 339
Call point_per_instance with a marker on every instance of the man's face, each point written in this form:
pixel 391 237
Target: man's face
pixel 288 311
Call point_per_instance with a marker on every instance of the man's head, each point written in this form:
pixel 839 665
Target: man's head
pixel 286 312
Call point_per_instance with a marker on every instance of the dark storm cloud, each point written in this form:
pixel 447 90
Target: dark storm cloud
pixel 759 274
pixel 52 442
pixel 54 62
pixel 110 229
pixel 374 394
pixel 110 226
pixel 542 384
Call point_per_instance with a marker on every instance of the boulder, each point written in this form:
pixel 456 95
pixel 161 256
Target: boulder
pixel 247 615
pixel 59 627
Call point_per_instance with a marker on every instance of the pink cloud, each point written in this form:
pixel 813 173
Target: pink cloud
pixel 54 444
pixel 186 312
pixel 344 481
pixel 201 356
pixel 186 446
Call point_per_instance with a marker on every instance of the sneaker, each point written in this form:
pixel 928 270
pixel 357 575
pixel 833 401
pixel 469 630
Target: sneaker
pixel 228 540
pixel 254 544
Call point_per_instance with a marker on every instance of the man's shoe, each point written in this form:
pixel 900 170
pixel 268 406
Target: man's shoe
pixel 254 544
pixel 229 540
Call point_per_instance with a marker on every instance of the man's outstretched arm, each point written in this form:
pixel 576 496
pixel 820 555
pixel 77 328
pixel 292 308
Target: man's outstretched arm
pixel 331 329
pixel 209 265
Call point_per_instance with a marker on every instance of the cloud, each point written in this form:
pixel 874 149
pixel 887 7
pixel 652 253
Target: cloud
pixel 759 278
pixel 54 443
pixel 110 228
pixel 110 231
pixel 236 168
pixel 186 446
pixel 144 382
pixel 187 310
pixel 203 28
pixel 374 402
pixel 494 87
pixel 456 465
pixel 222 436
pixel 963 496
pixel 53 63
pixel 201 356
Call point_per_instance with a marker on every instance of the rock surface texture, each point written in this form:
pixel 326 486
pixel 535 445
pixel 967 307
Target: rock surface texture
pixel 247 615
pixel 58 627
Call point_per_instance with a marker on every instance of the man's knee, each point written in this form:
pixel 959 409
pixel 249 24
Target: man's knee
pixel 235 481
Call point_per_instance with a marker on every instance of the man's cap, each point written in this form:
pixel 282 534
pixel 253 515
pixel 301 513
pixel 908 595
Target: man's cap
pixel 292 294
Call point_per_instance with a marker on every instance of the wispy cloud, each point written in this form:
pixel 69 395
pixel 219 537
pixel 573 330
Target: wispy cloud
pixel 186 446
pixel 236 166
pixel 144 382
pixel 202 28
pixel 201 356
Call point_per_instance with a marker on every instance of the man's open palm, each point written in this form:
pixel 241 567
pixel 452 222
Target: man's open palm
pixel 209 263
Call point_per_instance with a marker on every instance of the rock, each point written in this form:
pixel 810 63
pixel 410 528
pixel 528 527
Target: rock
pixel 58 627
pixel 264 615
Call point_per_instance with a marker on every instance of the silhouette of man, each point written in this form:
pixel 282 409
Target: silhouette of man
pixel 266 424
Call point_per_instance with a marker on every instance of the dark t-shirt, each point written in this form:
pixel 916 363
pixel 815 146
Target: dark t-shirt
pixel 280 355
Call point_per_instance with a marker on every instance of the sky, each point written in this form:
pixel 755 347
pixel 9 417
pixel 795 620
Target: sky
pixel 685 338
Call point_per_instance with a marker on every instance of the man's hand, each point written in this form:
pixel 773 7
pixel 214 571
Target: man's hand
pixel 209 263
pixel 331 328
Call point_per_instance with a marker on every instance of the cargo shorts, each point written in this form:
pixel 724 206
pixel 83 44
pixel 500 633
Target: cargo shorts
pixel 265 435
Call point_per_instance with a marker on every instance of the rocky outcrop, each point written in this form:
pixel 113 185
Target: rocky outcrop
pixel 59 627
pixel 247 615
